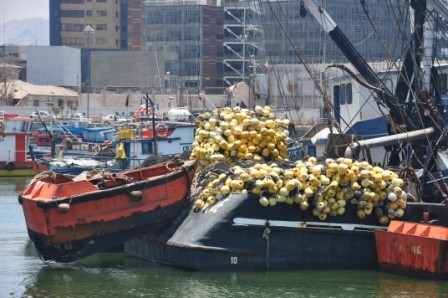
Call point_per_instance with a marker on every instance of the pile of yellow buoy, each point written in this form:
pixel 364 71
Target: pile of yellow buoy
pixel 227 135
pixel 325 189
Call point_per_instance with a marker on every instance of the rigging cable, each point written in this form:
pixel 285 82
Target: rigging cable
pixel 299 55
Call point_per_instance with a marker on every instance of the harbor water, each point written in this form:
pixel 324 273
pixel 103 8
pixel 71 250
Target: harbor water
pixel 116 274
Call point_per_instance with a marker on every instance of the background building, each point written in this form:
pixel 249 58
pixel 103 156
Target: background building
pixel 26 97
pixel 134 28
pixel 211 44
pixel 124 70
pixel 108 27
pixel 289 30
pixel 190 33
pixel 59 66
pixel 68 18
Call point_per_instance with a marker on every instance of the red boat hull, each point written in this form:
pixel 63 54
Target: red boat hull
pixel 413 249
pixel 69 219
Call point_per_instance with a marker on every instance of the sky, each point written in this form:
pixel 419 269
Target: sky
pixel 23 9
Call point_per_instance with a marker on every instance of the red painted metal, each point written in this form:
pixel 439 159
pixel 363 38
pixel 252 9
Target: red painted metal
pixel 59 210
pixel 21 147
pixel 413 248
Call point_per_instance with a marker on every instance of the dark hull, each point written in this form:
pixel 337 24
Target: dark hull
pixel 239 234
pixel 138 224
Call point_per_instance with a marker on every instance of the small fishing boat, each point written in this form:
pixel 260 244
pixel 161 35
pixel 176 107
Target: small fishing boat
pixel 134 144
pixel 70 218
pixel 138 142
pixel 15 134
pixel 75 165
pixel 418 249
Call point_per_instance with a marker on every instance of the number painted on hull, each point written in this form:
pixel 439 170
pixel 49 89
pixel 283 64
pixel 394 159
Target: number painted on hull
pixel 233 260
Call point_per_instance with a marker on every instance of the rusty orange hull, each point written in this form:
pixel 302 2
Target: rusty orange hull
pixel 69 219
pixel 413 249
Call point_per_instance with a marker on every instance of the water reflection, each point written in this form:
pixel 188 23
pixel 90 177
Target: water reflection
pixel 29 250
pixel 13 185
pixel 394 286
pixel 23 274
pixel 121 275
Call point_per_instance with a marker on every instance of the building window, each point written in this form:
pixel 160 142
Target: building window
pixel 101 27
pixel 77 41
pixel 101 1
pixel 101 13
pixel 35 102
pixel 72 13
pixel 89 13
pixel 73 41
pixel 72 1
pixel 72 27
pixel 60 102
pixel 101 40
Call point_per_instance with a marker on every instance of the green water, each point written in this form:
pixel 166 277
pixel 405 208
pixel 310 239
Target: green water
pixel 23 274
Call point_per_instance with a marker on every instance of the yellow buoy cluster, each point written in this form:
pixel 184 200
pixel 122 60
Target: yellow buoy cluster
pixel 227 135
pixel 323 189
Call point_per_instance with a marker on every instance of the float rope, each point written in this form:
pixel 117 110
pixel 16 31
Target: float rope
pixel 266 233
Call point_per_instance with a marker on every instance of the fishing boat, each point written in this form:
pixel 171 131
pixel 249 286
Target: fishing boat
pixel 15 134
pixel 70 218
pixel 244 230
pixel 133 145
pixel 75 165
pixel 147 139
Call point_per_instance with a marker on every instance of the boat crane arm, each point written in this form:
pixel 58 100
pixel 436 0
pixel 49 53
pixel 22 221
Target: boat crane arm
pixel 440 6
pixel 347 48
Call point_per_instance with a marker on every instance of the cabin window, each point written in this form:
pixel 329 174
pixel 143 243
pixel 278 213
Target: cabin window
pixel 348 93
pixel 147 148
pixel 342 99
pixel 345 94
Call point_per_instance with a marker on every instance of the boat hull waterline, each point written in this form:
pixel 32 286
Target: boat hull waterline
pixel 68 220
pixel 237 234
